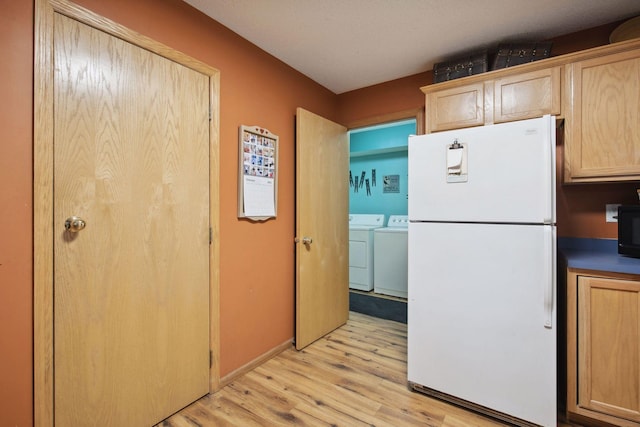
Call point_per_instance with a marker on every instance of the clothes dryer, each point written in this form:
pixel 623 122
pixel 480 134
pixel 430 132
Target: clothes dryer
pixel 361 227
pixel 390 255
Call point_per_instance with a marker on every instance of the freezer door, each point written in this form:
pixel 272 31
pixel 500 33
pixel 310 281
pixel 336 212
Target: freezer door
pixel 482 315
pixel 508 174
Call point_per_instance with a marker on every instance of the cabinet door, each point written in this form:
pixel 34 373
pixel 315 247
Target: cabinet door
pixel 527 95
pixel 602 139
pixel 608 346
pixel 455 108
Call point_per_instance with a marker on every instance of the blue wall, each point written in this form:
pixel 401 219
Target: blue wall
pixel 383 149
pixel 381 137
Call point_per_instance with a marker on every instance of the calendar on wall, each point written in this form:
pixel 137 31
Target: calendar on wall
pixel 258 173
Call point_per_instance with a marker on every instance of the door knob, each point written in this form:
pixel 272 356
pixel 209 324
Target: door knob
pixel 74 224
pixel 307 240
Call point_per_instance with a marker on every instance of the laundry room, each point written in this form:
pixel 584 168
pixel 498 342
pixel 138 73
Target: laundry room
pixel 378 219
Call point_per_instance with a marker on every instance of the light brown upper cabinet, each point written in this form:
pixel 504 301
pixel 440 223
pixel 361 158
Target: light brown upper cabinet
pixel 461 106
pixel 501 96
pixel 602 139
pixel 526 95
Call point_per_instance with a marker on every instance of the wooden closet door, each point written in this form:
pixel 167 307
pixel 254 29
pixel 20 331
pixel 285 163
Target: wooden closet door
pixel 131 289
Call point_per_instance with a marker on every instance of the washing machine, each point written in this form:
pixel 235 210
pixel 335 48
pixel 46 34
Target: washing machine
pixel 361 227
pixel 390 256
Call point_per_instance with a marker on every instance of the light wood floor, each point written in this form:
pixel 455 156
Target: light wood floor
pixel 354 376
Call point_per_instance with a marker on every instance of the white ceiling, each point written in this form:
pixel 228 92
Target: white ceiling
pixel 350 44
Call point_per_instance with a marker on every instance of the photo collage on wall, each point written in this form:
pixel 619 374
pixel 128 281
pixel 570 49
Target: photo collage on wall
pixel 259 155
pixel 358 182
pixel 257 173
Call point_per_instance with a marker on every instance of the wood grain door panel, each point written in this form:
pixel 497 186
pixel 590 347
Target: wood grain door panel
pixel 602 140
pixel 131 290
pixel 322 210
pixel 457 107
pixel 609 346
pixel 527 95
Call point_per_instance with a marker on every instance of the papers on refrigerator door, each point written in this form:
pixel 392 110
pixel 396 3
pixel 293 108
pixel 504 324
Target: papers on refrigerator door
pixel 457 162
pixel 454 161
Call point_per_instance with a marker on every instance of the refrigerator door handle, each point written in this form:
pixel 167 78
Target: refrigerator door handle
pixel 549 273
pixel 550 172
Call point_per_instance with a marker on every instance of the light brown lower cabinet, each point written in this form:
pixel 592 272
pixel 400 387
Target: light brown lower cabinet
pixel 603 347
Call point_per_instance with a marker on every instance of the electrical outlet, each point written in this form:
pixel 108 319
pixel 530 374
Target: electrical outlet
pixel 611 212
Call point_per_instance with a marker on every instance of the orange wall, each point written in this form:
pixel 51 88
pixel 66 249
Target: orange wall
pixel 257 260
pixel 16 72
pixel 385 98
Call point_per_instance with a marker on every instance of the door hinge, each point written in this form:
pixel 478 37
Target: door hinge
pixel 210 358
pixel 210 235
pixel 210 112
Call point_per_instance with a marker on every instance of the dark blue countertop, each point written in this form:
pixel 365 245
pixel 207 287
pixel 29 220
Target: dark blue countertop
pixel 596 254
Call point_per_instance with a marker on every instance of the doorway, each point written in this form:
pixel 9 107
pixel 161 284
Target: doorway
pixel 378 186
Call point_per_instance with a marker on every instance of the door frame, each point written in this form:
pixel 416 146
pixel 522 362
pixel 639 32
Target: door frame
pixel 43 169
pixel 415 113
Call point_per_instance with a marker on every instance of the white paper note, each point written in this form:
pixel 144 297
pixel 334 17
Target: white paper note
pixel 259 196
pixel 454 161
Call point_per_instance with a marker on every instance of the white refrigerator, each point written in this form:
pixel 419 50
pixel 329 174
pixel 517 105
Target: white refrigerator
pixel 482 269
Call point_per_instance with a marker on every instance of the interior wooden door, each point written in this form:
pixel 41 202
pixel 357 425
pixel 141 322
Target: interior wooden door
pixel 131 289
pixel 322 233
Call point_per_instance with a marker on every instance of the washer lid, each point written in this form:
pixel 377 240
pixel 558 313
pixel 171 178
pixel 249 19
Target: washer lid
pixel 370 220
pixel 365 227
pixel 391 230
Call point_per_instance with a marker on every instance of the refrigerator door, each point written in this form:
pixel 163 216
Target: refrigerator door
pixel 506 174
pixel 482 315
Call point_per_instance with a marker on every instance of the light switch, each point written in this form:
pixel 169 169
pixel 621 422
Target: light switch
pixel 611 212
